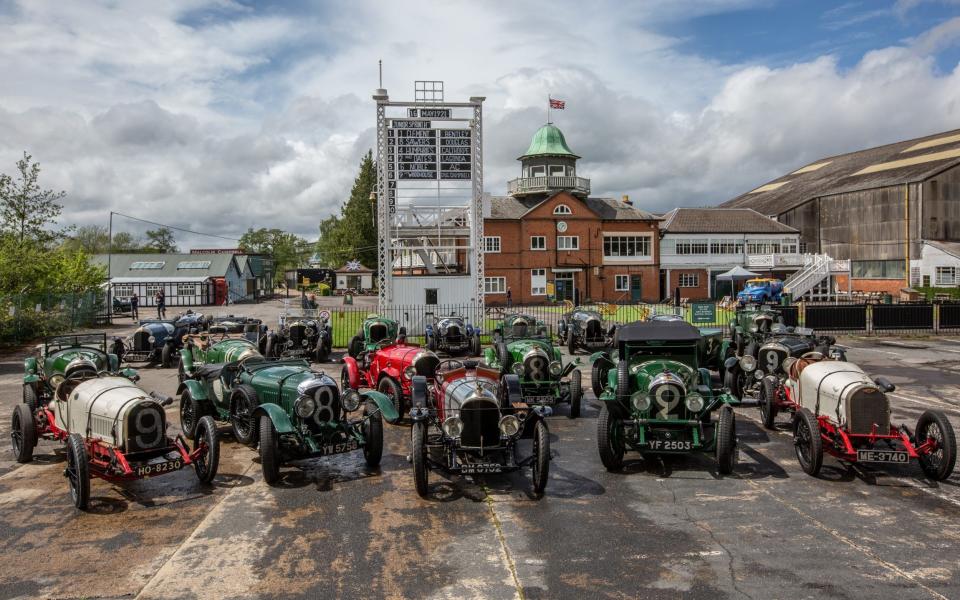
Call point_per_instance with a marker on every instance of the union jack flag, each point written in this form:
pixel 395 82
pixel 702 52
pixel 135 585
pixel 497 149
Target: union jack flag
pixel 557 104
pixel 353 265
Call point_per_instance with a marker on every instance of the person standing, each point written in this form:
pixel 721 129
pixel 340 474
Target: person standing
pixel 509 298
pixel 134 305
pixel 161 299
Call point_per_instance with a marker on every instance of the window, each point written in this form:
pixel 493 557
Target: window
pixel 187 289
pixel 494 285
pixel 562 209
pixel 491 244
pixel 946 276
pixel 692 246
pixel 153 288
pixel 621 283
pixel 788 246
pixel 538 171
pixel 194 264
pixel 538 282
pixel 568 242
pixel 915 276
pixel 763 247
pixel 877 269
pixel 538 242
pixel 122 290
pixel 147 264
pixel 626 246
pixel 689 280
pixel 431 295
pixel 556 170
pixel 726 247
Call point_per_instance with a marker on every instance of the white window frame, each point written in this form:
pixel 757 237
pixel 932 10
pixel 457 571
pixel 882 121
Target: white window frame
pixel 122 290
pixel 623 242
pixel 940 279
pixel 621 283
pixel 538 282
pixel 684 281
pixel 562 209
pixel 487 243
pixel 192 289
pixel 538 171
pixel 568 238
pixel 494 285
pixel 543 245
pixel 553 168
pixel 153 288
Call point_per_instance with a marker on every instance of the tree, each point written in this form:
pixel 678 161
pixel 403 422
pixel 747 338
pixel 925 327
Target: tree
pixel 123 242
pixel 161 240
pixel 287 250
pixel 92 239
pixel 25 210
pixel 353 235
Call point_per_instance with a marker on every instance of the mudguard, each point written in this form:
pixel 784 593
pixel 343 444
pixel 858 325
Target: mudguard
pixel 186 357
pixel 30 365
pixel 490 357
pixel 730 362
pixel 114 362
pixel 32 378
pixel 601 355
pixel 387 409
pixel 196 389
pixel 470 329
pixel 281 420
pixel 573 364
pixel 352 370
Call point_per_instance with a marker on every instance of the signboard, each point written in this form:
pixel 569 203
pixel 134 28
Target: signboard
pixel 551 291
pixel 703 312
pixel 417 151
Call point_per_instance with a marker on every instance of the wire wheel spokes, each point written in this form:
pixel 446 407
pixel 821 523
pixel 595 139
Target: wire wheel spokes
pixel 803 442
pixel 932 431
pixel 73 477
pixel 16 435
pixel 241 416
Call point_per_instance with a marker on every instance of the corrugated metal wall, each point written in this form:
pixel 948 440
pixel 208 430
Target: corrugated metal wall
pixel 941 206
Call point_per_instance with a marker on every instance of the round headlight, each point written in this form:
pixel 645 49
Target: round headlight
pixel 56 380
pixel 509 425
pixel 694 402
pixel 453 427
pixel 304 343
pixel 640 401
pixel 518 369
pixel 310 331
pixel 556 367
pixel 409 372
pixel 748 363
pixel 758 374
pixel 304 406
pixel 151 339
pixel 350 400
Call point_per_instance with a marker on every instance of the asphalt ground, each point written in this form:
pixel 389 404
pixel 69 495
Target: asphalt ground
pixel 669 528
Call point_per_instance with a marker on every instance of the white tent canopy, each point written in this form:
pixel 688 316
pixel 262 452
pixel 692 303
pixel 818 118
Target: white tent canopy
pixel 737 273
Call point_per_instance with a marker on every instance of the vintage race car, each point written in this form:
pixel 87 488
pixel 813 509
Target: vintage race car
pixel 452 335
pixel 213 347
pixel 750 327
pixel 291 410
pixel 841 411
pixel 47 369
pixel 389 367
pixel 302 334
pixel 714 349
pixel 159 340
pixel 537 363
pixel 583 328
pixel 112 429
pixel 469 421
pixel 373 332
pixel 658 399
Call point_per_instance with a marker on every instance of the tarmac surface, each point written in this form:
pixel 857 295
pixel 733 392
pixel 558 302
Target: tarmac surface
pixel 670 528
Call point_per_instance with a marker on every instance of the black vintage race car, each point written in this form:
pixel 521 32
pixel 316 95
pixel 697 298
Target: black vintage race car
pixel 302 334
pixel 159 340
pixel 452 335
pixel 584 328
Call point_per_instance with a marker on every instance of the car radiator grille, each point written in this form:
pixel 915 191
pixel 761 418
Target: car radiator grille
pixel 537 368
pixel 141 341
pixel 866 407
pixel 481 422
pixel 771 360
pixel 296 334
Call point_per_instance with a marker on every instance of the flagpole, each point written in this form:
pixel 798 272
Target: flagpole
pixel 548 109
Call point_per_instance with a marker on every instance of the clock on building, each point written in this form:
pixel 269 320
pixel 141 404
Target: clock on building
pixel 561 226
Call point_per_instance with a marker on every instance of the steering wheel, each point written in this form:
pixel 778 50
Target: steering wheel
pixel 445 366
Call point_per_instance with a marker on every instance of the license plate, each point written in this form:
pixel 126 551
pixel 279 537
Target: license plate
pixel 670 445
pixel 479 468
pixel 158 468
pixel 339 448
pixel 539 399
pixel 887 456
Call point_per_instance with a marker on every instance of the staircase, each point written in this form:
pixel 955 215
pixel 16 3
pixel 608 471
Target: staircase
pixel 816 268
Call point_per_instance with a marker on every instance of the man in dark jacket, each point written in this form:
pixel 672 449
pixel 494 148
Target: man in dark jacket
pixel 134 304
pixel 161 304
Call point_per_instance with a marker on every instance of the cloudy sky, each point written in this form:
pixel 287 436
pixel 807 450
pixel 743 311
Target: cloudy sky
pixel 219 115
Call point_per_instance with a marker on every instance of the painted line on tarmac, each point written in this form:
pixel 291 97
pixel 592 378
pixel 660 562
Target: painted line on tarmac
pixel 927 402
pixel 511 566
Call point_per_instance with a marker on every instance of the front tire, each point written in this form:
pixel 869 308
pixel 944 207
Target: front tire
pixel 768 402
pixel 419 458
pixel 726 441
pixel 23 433
pixel 166 356
pixel 190 414
pixel 207 464
pixel 576 394
pixel 30 397
pixel 356 346
pixel 269 451
pixel 571 342
pixel 937 465
pixel 243 401
pixel 322 352
pixel 541 457
pixel 598 377
pixel 610 439
pixel 431 343
pixel 373 434
pixel 733 381
pixel 391 388
pixel 503 355
pixel 78 471
pixel 475 345
pixel 807 442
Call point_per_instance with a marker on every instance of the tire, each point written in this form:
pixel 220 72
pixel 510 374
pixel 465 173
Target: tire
pixel 807 442
pixel 206 467
pixel 356 346
pixel 939 464
pixel 610 440
pixel 739 343
pixel 576 394
pixel 541 457
pixel 431 343
pixel 726 441
pixel 623 381
pixel 733 382
pixel 344 380
pixel 30 397
pixel 190 415
pixel 242 402
pixel 503 355
pixel 598 377
pixel 419 458
pixel 768 402
pixel 571 342
pixel 475 345
pixel 23 433
pixel 269 451
pixel 391 388
pixel 322 352
pixel 181 372
pixel 78 471
pixel 166 356
pixel 373 432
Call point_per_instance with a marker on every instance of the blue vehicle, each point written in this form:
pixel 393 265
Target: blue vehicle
pixel 159 340
pixel 452 335
pixel 761 290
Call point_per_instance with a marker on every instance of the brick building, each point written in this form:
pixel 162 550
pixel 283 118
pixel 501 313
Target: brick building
pixel 549 235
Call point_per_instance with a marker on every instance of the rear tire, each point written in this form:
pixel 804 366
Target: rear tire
pixel 373 434
pixel 356 346
pixel 726 441
pixel 206 465
pixel 242 403
pixel 78 471
pixel 166 356
pixel 541 457
pixel 30 397
pixel 392 389
pixel 576 394
pixel 937 465
pixel 807 442
pixel 610 439
pixel 768 402
pixel 23 433
pixel 571 342
pixel 190 414
pixel 269 451
pixel 419 457
pixel 598 376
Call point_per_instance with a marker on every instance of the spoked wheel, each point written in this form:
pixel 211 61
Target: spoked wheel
pixel 576 394
pixel 241 415
pixel 938 464
pixel 807 441
pixel 541 457
pixel 419 458
pixel 610 439
pixel 392 389
pixel 189 414
pixel 598 377
pixel 734 380
pixel 373 434
pixel 768 402
pixel 726 441
pixel 78 471
pixel 23 433
pixel 344 380
pixel 207 463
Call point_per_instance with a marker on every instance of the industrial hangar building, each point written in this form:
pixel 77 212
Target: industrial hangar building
pixel 878 208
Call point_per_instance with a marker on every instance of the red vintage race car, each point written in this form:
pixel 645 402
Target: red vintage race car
pixel 389 368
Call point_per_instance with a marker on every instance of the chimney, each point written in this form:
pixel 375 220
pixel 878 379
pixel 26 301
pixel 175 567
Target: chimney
pixel 626 200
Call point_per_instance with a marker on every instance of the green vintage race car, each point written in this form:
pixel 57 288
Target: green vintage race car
pixel 375 330
pixel 658 398
pixel 44 371
pixel 216 347
pixel 292 411
pixel 522 346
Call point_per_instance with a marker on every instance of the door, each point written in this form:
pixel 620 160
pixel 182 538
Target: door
pixel 635 288
pixel 565 287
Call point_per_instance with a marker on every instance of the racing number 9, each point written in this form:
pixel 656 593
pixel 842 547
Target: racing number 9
pixel 668 399
pixel 149 427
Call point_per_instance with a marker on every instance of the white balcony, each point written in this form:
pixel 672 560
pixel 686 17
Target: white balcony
pixel 578 186
pixel 775 261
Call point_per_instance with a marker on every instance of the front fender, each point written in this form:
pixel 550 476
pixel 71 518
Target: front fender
pixel 601 355
pixel 30 365
pixel 186 357
pixel 196 389
pixel 352 370
pixel 31 378
pixel 281 420
pixel 730 362
pixel 387 409
pixel 490 357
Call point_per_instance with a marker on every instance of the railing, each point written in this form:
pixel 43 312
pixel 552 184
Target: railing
pixel 770 261
pixel 816 268
pixel 531 185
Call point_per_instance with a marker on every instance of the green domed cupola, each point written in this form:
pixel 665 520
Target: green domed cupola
pixel 548 141
pixel 548 166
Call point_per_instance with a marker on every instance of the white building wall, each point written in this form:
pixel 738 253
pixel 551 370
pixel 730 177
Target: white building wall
pixel 670 259
pixel 930 259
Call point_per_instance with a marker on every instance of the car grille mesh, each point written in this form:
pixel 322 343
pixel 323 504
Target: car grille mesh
pixel 296 333
pixel 141 341
pixel 480 424
pixel 866 407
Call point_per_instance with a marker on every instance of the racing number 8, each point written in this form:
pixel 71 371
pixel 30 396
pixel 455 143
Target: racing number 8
pixel 537 369
pixel 668 399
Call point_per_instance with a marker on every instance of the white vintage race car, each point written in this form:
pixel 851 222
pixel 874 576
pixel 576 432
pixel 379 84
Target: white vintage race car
pixel 113 430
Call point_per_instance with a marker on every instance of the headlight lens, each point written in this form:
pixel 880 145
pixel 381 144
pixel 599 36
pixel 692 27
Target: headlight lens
pixel 518 369
pixel 304 343
pixel 758 374
pixel 56 380
pixel 453 427
pixel 310 331
pixel 151 339
pixel 509 425
pixel 640 401
pixel 304 406
pixel 409 372
pixel 748 363
pixel 556 367
pixel 350 400
pixel 694 402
